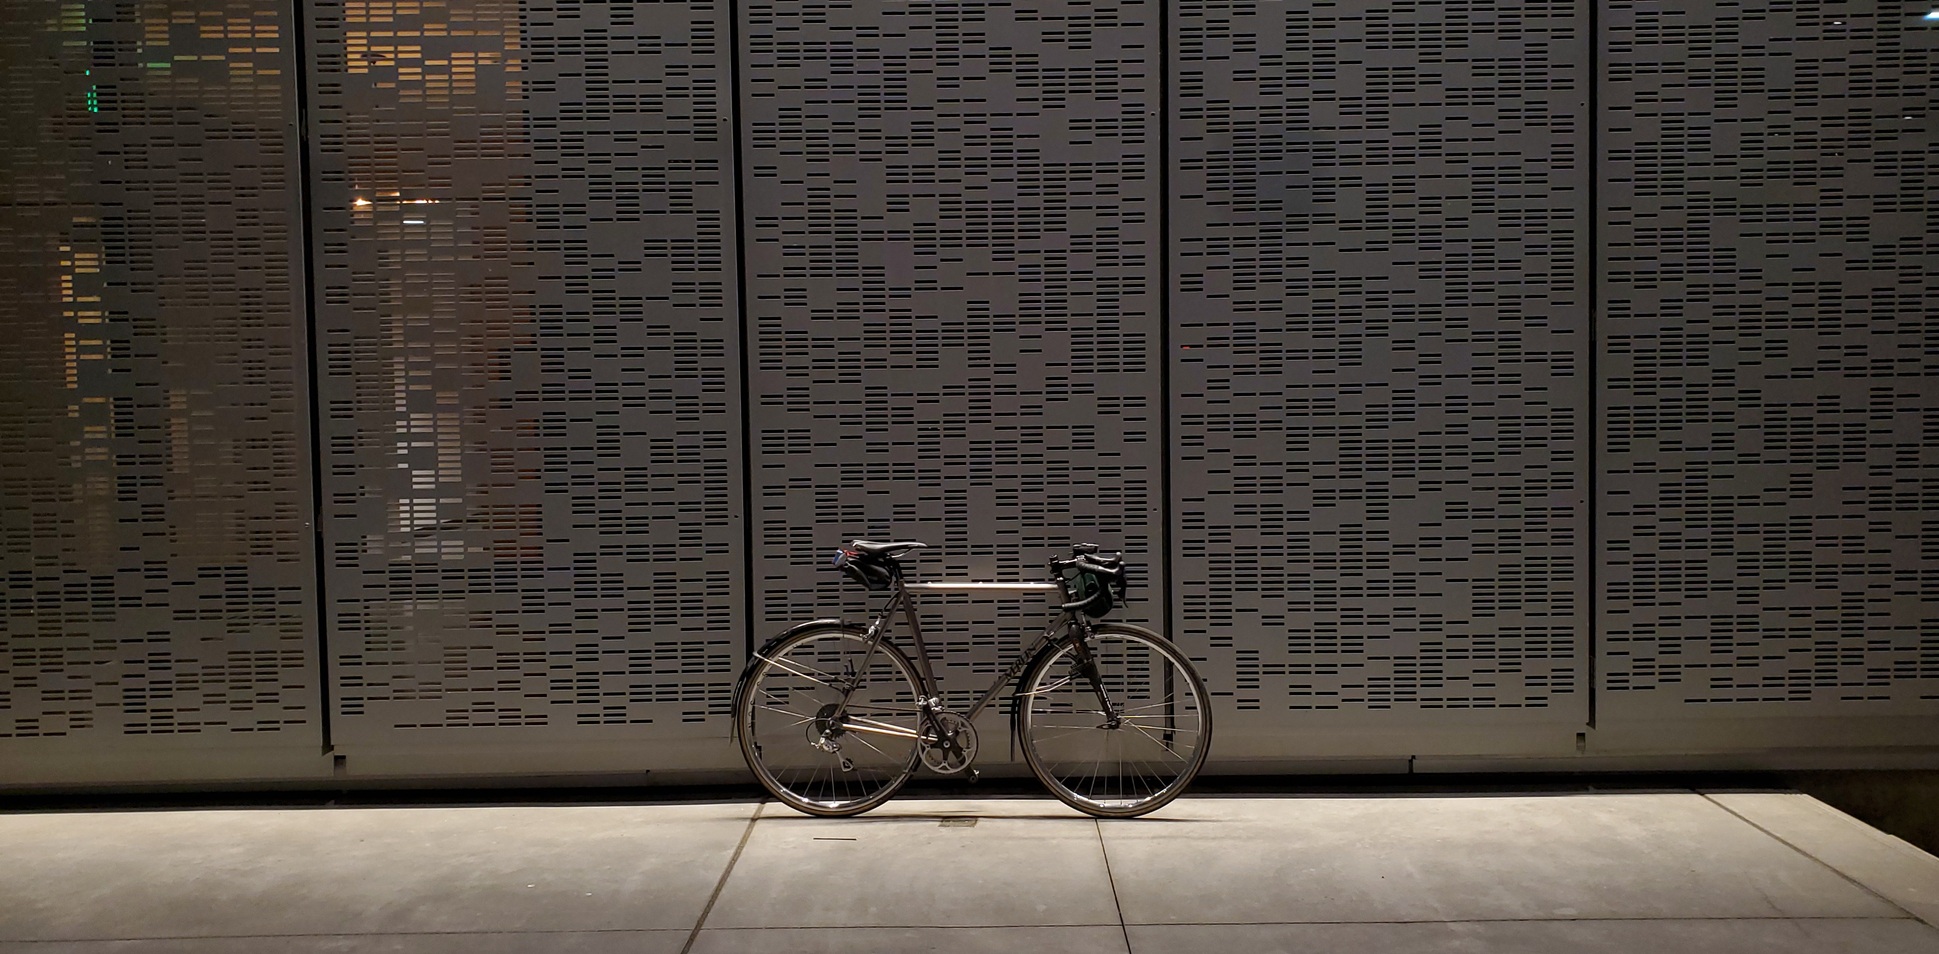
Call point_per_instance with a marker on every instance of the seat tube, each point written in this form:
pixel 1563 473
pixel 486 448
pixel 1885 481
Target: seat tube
pixel 915 632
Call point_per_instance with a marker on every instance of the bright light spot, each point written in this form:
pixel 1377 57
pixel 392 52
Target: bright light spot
pixel 413 221
pixel 1934 15
pixel 361 203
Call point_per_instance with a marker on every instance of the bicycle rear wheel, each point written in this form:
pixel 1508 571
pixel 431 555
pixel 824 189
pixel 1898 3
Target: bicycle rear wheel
pixel 825 725
pixel 1122 739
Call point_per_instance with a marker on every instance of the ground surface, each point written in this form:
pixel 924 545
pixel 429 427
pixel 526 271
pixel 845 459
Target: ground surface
pixel 1664 871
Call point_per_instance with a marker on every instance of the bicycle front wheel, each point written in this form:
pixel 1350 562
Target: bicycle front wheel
pixel 827 726
pixel 1116 725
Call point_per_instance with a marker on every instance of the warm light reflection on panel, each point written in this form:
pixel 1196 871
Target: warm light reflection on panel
pixel 524 235
pixel 155 574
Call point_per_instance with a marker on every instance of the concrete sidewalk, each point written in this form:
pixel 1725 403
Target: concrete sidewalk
pixel 1665 872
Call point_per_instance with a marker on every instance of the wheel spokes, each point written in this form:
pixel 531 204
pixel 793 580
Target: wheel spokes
pixel 1139 756
pixel 825 733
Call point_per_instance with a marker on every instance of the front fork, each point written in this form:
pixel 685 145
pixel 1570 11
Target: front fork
pixel 1087 667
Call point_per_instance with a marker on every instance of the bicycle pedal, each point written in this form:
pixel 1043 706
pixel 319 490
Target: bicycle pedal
pixel 973 775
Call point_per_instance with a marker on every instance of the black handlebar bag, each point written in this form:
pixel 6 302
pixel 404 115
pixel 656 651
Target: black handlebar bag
pixel 1100 589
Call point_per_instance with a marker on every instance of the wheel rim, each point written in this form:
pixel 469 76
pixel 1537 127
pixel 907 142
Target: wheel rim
pixel 1128 765
pixel 789 706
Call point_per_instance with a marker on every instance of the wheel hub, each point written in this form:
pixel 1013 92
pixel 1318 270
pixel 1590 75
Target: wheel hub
pixel 824 726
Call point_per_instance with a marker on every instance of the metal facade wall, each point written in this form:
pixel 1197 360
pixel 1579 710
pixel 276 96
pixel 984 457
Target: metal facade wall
pixel 1770 376
pixel 1380 326
pixel 528 325
pixel 1371 367
pixel 953 259
pixel 156 576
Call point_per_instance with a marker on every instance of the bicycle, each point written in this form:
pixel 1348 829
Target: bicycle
pixel 833 717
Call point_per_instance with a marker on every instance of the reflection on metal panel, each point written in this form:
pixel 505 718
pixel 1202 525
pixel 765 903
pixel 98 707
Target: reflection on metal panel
pixel 1379 322
pixel 952 268
pixel 1770 366
pixel 156 575
pixel 531 419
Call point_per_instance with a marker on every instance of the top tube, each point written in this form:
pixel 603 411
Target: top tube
pixel 974 587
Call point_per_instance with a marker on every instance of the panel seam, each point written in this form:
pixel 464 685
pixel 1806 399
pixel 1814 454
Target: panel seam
pixel 748 526
pixel 1592 271
pixel 300 33
pixel 1164 410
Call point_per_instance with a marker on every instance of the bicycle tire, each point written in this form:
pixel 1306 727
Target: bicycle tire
pixel 1124 767
pixel 784 704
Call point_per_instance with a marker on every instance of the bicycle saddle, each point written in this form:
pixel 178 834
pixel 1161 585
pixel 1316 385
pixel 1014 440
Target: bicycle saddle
pixel 883 551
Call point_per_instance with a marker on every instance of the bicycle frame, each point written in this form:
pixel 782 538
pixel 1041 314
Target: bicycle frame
pixel 930 689
pixel 1090 712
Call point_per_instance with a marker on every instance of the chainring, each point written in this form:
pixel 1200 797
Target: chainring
pixel 953 749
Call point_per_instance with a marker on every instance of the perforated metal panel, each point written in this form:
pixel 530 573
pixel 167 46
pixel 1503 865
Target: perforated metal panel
pixel 1379 325
pixel 156 577
pixel 525 260
pixel 1770 355
pixel 952 267
pixel 525 228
